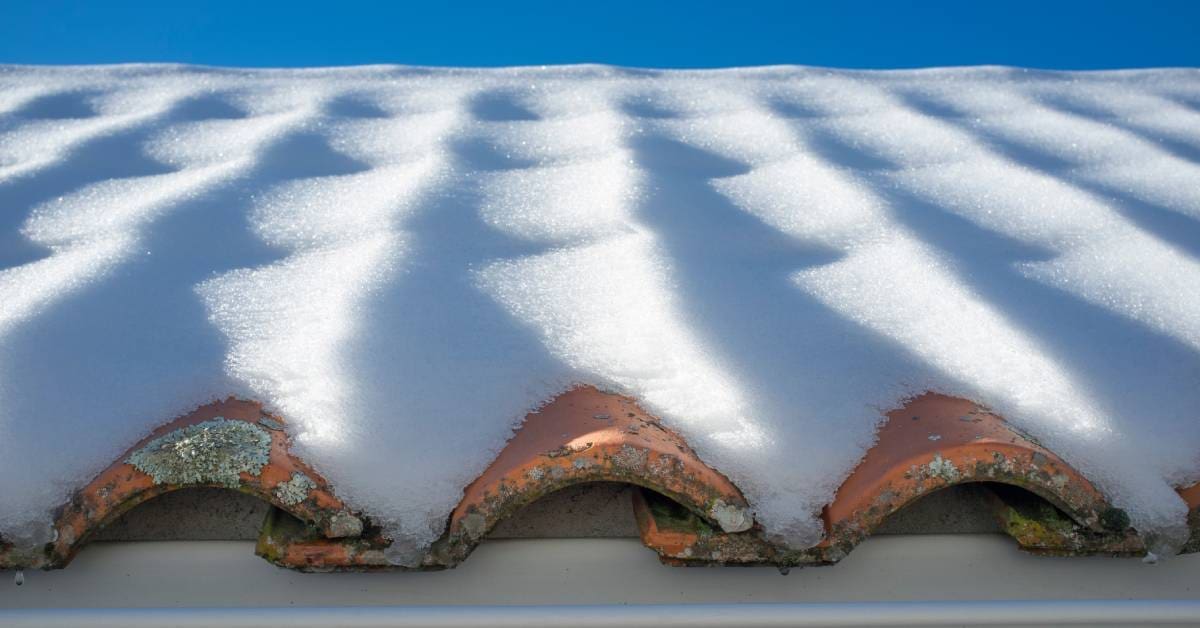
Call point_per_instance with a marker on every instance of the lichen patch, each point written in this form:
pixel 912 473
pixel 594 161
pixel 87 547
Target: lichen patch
pixel 294 490
pixel 939 467
pixel 731 517
pixel 216 451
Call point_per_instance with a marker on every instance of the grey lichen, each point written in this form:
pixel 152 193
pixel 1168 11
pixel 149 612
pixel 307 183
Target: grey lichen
pixel 474 525
pixel 630 458
pixel 939 467
pixel 294 490
pixel 344 524
pixel 216 451
pixel 731 517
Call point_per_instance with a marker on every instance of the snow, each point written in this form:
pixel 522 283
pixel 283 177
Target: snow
pixel 406 261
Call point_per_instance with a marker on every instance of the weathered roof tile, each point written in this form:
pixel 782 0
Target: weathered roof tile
pixel 231 444
pixel 686 511
pixel 582 436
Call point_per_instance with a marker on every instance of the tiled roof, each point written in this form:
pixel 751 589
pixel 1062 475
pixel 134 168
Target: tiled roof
pixel 403 262
pixel 688 512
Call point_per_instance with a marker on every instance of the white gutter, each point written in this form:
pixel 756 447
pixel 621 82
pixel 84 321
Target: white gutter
pixel 887 581
pixel 978 613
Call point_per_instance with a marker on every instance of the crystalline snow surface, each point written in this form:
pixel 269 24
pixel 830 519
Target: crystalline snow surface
pixel 405 262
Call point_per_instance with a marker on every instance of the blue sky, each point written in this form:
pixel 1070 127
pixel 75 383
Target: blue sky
pixel 697 33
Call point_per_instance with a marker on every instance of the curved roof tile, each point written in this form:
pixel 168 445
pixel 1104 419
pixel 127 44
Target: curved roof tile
pixel 932 442
pixel 689 513
pixel 231 444
pixel 582 436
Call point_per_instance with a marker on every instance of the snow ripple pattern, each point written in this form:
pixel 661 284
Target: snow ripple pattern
pixel 406 261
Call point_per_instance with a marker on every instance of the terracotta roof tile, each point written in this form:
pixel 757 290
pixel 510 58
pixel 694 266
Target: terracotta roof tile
pixel 582 436
pixel 931 443
pixel 686 511
pixel 231 444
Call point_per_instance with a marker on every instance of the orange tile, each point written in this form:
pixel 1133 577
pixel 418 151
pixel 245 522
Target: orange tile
pixel 583 435
pixel 231 444
pixel 935 441
pixel 930 443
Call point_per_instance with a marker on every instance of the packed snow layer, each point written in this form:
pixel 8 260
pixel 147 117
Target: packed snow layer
pixel 406 261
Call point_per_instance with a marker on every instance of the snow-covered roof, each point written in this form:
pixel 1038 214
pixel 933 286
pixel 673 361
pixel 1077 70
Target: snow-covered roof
pixel 405 262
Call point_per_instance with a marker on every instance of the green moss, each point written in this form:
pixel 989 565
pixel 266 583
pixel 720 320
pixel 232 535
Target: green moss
pixel 670 514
